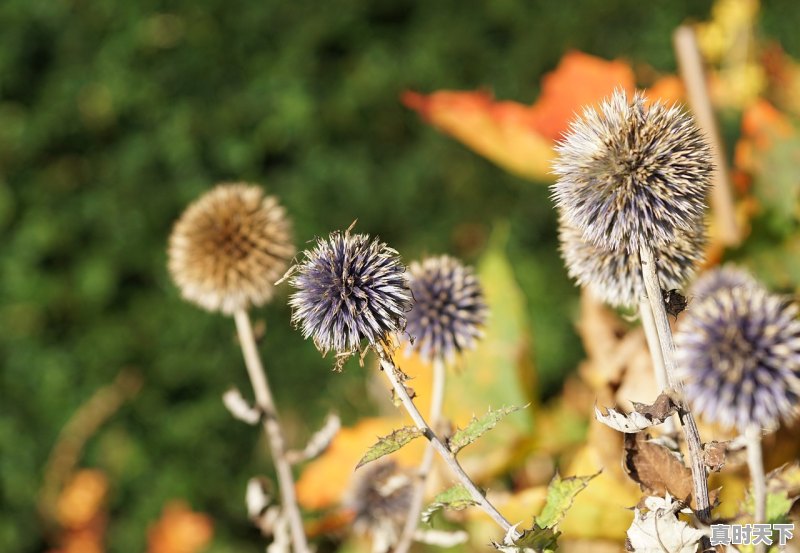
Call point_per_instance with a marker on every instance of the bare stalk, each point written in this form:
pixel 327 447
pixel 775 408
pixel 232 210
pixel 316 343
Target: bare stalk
pixel 755 462
pixel 449 457
pixel 660 370
pixel 272 429
pixel 415 508
pixel 692 435
pixel 690 65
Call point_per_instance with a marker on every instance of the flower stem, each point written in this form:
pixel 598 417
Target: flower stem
pixel 755 461
pixel 449 457
pixel 415 508
pixel 272 429
pixel 664 335
pixel 660 370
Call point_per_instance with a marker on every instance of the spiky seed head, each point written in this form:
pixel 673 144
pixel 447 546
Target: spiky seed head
pixel 738 353
pixel 615 276
pixel 632 173
pixel 449 310
pixel 350 289
pixel 229 247
pixel 381 498
pixel 728 276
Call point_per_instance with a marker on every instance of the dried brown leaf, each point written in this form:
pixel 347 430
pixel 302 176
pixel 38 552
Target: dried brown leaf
pixel 656 469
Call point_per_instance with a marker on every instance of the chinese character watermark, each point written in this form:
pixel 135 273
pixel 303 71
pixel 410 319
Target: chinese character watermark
pixel 751 534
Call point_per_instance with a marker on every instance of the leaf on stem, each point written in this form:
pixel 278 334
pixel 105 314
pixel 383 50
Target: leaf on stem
pixel 659 529
pixel 535 540
pixel 560 494
pixel 643 416
pixel 477 427
pixel 656 469
pixel 456 498
pixel 390 444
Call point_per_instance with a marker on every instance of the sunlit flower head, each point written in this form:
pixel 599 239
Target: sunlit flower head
pixel 229 247
pixel 738 353
pixel 350 289
pixel 449 308
pixel 615 276
pixel 632 173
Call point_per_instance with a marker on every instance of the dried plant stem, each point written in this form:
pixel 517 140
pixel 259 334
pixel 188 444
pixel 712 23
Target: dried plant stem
pixel 449 457
pixel 690 64
pixel 272 429
pixel 437 400
pixel 651 335
pixel 692 435
pixel 755 462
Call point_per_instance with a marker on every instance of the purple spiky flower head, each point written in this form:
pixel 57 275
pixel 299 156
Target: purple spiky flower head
pixel 615 276
pixel 449 310
pixel 738 354
pixel 632 173
pixel 727 277
pixel 350 289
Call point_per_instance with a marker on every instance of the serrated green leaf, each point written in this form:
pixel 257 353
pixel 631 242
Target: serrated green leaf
pixel 477 427
pixel 390 444
pixel 560 494
pixel 535 540
pixel 456 498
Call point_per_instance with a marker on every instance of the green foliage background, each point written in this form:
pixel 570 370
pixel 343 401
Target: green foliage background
pixel 115 115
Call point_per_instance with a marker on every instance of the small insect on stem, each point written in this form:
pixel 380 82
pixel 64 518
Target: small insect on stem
pixel 674 302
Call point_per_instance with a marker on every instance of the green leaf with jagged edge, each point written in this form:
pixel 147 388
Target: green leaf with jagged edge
pixel 535 540
pixel 560 494
pixel 477 427
pixel 390 444
pixel 456 498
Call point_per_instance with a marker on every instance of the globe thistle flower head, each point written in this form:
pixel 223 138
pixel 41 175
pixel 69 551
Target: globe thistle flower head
pixel 632 173
pixel 726 277
pixel 380 499
pixel 738 353
pixel 615 276
pixel 229 247
pixel 449 310
pixel 350 288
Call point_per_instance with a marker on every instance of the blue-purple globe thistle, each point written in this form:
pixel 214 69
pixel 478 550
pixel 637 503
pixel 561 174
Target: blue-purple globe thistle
pixel 615 276
pixel 229 247
pixel 738 354
pixel 449 309
pixel 632 173
pixel 726 277
pixel 350 289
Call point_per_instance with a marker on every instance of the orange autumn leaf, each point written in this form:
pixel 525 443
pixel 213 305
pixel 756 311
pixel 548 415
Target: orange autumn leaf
pixel 761 124
pixel 517 137
pixel 325 480
pixel 180 530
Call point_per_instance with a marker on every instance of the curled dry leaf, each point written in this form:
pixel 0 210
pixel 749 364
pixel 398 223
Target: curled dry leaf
pixel 643 416
pixel 318 442
pixel 240 408
pixel 656 469
pixel 714 455
pixel 659 530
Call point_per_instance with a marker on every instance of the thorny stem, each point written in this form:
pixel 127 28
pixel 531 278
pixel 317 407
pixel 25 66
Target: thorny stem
pixel 755 461
pixel 651 335
pixel 449 457
pixel 272 429
pixel 415 508
pixel 692 435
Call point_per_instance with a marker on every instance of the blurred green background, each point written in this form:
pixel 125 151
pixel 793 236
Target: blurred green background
pixel 115 115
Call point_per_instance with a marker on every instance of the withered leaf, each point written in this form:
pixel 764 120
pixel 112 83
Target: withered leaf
pixel 714 455
pixel 643 416
pixel 656 469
